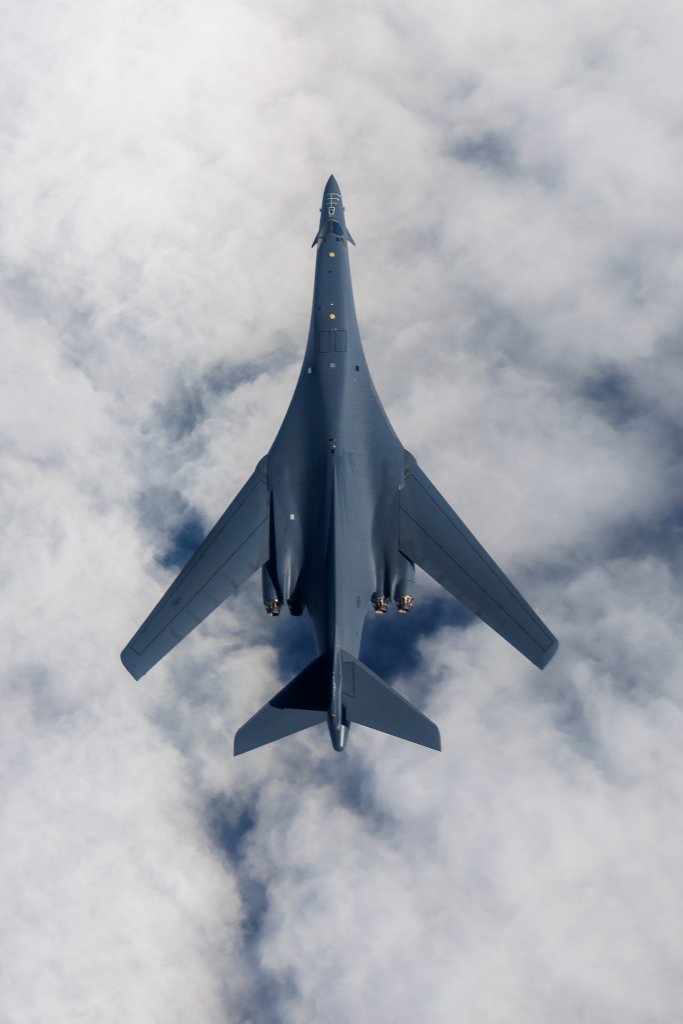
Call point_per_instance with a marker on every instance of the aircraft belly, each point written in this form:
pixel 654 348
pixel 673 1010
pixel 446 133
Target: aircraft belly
pixel 336 469
pixel 336 517
pixel 354 568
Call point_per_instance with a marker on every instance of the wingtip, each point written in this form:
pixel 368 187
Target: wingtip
pixel 548 654
pixel 128 663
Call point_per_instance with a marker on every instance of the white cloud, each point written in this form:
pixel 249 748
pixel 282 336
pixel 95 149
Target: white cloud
pixel 511 177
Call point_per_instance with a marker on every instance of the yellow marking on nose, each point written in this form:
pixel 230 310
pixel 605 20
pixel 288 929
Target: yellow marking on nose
pixel 331 254
pixel 332 316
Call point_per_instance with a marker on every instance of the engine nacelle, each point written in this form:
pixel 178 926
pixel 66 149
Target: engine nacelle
pixel 271 598
pixel 274 589
pixel 405 584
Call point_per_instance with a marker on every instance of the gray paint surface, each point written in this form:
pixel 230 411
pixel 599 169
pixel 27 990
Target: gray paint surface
pixel 337 514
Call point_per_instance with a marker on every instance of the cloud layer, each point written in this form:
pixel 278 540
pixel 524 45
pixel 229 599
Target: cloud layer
pixel 511 177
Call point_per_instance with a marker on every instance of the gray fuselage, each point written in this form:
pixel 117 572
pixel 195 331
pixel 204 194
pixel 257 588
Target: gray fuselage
pixel 336 517
pixel 334 472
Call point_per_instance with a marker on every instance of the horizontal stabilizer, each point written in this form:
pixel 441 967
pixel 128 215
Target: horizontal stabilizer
pixel 300 704
pixel 369 701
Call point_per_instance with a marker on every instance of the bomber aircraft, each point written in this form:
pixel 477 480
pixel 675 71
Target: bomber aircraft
pixel 336 516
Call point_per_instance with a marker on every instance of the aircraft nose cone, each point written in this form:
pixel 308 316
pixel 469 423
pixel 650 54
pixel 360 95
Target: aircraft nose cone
pixel 332 213
pixel 332 201
pixel 332 185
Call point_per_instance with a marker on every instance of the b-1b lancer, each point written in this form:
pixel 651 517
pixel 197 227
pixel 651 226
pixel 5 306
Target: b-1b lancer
pixel 337 515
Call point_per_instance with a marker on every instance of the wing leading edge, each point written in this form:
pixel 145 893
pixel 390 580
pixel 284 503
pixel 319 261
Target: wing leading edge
pixel 234 549
pixel 433 536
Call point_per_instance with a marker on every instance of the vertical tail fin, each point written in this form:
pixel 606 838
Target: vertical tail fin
pixel 370 702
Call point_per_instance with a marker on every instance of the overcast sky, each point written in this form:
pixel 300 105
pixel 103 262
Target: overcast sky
pixel 512 176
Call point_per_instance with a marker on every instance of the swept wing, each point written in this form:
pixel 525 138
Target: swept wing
pixel 234 549
pixel 433 536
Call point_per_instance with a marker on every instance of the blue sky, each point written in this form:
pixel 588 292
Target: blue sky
pixel 511 175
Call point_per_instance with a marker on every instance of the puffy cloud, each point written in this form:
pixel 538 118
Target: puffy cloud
pixel 511 179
